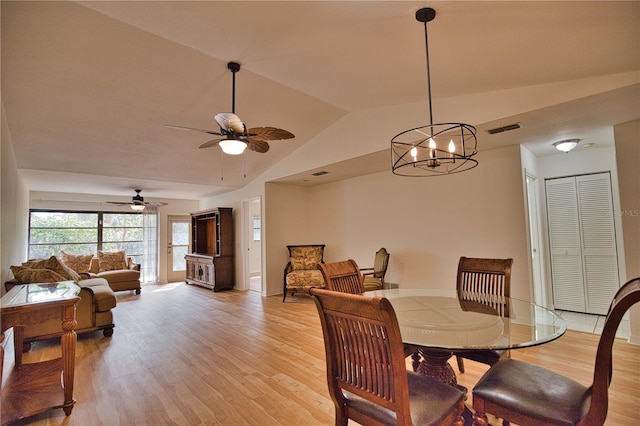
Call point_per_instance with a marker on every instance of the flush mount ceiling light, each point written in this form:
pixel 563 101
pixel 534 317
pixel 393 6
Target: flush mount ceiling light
pixel 434 149
pixel 566 145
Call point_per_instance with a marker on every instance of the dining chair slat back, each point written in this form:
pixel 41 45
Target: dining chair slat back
pixel 343 276
pixel 366 370
pixel 486 282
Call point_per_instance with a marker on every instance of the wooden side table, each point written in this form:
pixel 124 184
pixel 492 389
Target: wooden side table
pixel 33 388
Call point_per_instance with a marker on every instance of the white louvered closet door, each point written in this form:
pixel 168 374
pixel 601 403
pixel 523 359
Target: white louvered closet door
pixel 584 264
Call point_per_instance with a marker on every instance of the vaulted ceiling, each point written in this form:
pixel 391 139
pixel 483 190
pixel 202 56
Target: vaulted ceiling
pixel 88 87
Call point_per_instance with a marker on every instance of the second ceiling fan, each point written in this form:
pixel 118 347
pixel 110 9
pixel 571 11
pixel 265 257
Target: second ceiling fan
pixel 235 135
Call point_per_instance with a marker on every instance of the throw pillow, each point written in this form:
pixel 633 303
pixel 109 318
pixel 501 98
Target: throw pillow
pixel 77 262
pixel 28 275
pixel 54 264
pixel 111 261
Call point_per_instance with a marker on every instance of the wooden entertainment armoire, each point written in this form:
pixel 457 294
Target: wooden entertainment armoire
pixel 211 262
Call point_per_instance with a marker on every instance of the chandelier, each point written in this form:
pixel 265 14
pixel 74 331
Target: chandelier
pixel 434 149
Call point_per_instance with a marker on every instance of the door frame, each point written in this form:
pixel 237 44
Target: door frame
pixel 536 248
pixel 248 207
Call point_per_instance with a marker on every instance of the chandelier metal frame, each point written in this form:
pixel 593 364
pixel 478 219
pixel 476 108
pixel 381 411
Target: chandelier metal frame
pixel 434 149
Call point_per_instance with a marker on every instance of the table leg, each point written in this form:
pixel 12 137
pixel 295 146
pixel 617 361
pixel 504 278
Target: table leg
pixel 68 343
pixel 18 339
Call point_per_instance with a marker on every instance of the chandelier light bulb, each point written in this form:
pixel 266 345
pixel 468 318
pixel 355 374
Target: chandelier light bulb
pixel 452 146
pixel 414 153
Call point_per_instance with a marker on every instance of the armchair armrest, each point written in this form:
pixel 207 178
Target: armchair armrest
pixel 132 265
pixel 369 271
pixel 287 269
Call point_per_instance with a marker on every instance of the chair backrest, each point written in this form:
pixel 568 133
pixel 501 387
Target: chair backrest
pixel 485 281
pixel 306 256
pixel 380 263
pixel 627 296
pixel 364 350
pixel 343 276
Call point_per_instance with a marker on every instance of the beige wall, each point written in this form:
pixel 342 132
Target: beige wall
pixel 426 224
pixel 628 158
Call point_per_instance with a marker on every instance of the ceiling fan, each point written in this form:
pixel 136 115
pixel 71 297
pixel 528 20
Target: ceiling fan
pixel 137 202
pixel 235 135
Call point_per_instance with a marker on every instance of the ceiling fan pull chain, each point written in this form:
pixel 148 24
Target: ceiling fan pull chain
pixel 221 166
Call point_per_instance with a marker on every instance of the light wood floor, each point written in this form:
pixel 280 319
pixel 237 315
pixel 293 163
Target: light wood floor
pixel 184 355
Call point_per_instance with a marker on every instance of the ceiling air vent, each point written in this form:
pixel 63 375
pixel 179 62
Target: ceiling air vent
pixel 504 128
pixel 319 173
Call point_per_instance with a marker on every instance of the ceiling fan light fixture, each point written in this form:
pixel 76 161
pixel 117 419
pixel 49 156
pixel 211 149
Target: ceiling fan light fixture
pixel 566 145
pixel 232 146
pixel 137 207
pixel 434 149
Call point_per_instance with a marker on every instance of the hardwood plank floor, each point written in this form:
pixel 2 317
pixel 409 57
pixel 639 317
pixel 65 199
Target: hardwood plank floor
pixel 184 355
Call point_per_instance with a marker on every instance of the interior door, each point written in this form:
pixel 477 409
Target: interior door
pixel 584 262
pixel 177 247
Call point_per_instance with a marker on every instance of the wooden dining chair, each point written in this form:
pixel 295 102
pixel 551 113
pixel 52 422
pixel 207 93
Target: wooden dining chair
pixel 366 370
pixel 343 276
pixel 486 282
pixel 527 394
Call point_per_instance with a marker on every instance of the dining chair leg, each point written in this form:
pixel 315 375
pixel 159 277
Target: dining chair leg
pixel 460 363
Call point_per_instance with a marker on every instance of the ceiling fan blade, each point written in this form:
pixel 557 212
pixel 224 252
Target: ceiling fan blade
pixel 211 143
pixel 230 122
pixel 191 129
pixel 270 133
pixel 257 145
pixel 118 203
pixel 155 203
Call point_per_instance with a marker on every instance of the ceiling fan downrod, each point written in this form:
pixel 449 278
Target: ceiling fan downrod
pixel 234 67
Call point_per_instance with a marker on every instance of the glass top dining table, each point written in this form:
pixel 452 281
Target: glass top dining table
pixel 437 323
pixel 439 319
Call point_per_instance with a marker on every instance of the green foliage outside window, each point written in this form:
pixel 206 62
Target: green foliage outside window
pixel 84 233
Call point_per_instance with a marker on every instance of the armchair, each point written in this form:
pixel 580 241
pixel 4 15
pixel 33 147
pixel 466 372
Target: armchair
pixel 302 269
pixel 374 277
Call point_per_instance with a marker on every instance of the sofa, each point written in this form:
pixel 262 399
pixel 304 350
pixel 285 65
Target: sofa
pixel 120 271
pixel 93 312
pixel 118 279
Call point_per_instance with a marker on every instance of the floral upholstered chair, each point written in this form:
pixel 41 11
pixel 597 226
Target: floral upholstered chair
pixel 302 269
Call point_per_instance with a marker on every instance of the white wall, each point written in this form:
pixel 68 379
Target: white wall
pixel 14 211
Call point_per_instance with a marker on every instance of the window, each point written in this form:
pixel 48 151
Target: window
pixel 256 228
pixel 84 232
